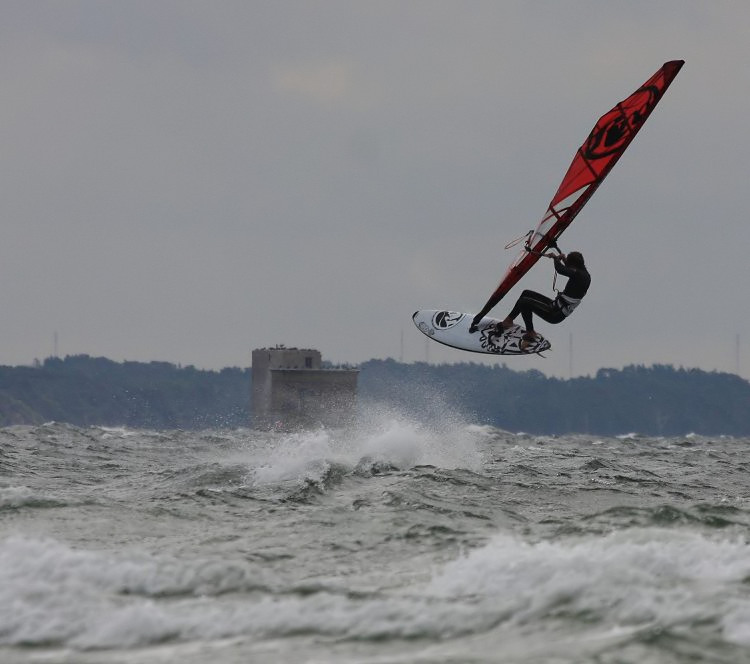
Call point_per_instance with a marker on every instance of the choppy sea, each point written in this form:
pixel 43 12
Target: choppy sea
pixel 395 541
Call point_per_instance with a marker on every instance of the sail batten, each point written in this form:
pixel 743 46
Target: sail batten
pixel 608 140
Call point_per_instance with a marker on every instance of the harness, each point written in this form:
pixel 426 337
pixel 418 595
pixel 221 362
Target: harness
pixel 566 304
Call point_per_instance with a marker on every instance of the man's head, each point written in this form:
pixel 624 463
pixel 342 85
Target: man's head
pixel 575 259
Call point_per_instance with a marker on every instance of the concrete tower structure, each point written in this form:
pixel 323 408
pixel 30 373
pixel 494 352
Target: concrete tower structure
pixel 291 390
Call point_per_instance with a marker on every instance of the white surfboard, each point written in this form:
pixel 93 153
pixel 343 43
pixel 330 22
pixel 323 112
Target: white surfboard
pixel 452 329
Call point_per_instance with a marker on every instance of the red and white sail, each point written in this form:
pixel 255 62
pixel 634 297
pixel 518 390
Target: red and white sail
pixel 605 144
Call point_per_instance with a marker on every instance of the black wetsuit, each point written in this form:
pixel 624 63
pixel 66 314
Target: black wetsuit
pixel 553 311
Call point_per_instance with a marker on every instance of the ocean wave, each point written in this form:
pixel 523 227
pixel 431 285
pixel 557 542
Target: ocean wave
pixel 639 579
pixel 632 577
pixel 390 536
pixel 393 443
pixel 16 497
pixel 51 593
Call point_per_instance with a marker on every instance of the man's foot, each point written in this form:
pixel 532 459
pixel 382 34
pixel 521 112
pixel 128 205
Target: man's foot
pixel 528 338
pixel 503 326
pixel 474 326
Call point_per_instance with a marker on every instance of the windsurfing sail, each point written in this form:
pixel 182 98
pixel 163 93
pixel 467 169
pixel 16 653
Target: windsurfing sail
pixel 605 144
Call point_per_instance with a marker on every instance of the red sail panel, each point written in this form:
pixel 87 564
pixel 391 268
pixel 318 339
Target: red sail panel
pixel 613 133
pixel 605 144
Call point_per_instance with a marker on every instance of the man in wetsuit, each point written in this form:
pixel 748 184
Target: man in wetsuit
pixel 552 311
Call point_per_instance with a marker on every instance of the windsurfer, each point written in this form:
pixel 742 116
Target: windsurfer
pixel 554 311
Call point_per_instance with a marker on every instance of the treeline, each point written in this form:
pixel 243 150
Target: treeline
pixel 658 400
pixel 85 391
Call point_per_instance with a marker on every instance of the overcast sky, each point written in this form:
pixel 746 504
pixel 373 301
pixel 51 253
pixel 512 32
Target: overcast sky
pixel 186 181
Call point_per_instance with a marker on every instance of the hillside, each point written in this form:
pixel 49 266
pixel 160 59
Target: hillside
pixel 658 400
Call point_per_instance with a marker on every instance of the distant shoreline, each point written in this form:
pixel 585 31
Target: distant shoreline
pixel 655 401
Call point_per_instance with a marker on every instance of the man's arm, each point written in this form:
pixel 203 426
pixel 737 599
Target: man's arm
pixel 561 267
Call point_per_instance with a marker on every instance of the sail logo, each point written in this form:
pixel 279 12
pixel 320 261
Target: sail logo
pixel 614 130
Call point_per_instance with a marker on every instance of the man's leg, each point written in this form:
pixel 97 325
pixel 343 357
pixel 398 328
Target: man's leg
pixel 530 303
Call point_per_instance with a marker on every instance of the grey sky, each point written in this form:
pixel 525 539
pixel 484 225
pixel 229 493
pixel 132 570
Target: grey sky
pixel 186 181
